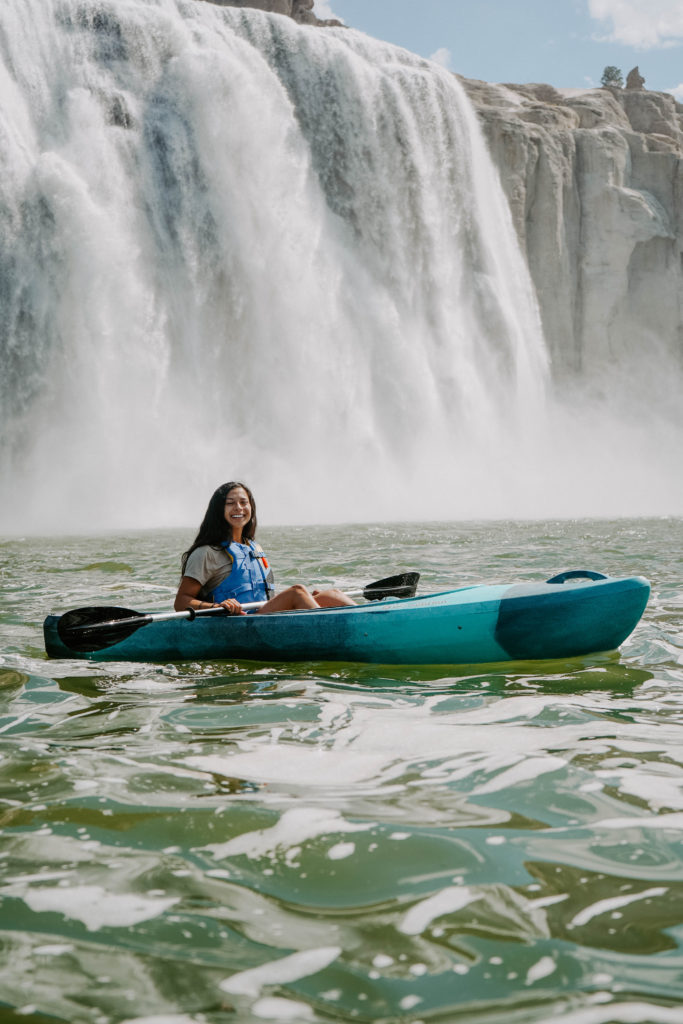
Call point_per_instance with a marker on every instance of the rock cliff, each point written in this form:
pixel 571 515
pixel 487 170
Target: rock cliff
pixel 595 185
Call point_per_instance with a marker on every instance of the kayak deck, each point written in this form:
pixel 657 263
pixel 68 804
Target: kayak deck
pixel 472 625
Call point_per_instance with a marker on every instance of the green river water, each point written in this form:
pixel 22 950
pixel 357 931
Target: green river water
pixel 225 843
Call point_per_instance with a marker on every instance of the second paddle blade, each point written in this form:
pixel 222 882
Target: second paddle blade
pixel 403 585
pixel 74 631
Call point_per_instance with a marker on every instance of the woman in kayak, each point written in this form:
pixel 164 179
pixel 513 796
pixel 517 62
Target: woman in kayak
pixel 225 566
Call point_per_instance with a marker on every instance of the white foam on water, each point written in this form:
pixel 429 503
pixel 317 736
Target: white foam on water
pixel 378 747
pixel 646 821
pixel 542 969
pixel 280 972
pixel 614 903
pixel 446 901
pixel 274 1008
pixel 289 765
pixel 623 1011
pixel 294 826
pixel 523 771
pixel 341 850
pixel 164 1018
pixel 39 876
pixel 653 787
pixel 95 907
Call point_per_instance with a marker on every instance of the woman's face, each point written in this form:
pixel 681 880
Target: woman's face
pixel 237 510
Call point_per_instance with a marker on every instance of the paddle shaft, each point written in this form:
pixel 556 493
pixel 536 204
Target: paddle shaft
pixel 193 613
pixel 190 613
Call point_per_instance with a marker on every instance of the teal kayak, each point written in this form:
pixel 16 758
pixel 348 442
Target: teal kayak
pixel 574 613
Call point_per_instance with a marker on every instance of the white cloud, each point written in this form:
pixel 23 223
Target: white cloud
pixel 442 56
pixel 677 92
pixel 324 11
pixel 643 24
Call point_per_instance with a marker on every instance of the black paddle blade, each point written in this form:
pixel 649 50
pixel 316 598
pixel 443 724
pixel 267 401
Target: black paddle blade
pixel 93 629
pixel 403 585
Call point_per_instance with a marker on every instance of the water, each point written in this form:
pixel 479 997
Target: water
pixel 202 843
pixel 227 240
pixel 230 240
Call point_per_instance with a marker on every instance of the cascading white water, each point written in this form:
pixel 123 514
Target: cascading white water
pixel 234 247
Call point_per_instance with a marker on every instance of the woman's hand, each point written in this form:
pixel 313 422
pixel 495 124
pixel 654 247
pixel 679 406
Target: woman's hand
pixel 232 606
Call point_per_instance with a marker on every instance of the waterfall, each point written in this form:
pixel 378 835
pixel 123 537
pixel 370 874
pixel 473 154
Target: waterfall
pixel 236 247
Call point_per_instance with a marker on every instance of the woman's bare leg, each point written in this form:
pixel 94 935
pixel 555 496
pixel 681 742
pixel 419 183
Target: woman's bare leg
pixel 331 598
pixel 293 597
pixel 299 597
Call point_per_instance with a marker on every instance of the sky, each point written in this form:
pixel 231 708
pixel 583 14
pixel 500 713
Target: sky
pixel 566 43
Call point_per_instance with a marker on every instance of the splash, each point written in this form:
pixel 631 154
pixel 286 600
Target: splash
pixel 235 247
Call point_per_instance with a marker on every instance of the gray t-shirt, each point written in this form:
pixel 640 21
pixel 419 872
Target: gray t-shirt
pixel 209 566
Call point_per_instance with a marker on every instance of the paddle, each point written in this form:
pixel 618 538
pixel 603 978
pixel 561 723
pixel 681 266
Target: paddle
pixel 93 629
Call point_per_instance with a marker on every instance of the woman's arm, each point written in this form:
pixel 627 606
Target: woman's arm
pixel 188 597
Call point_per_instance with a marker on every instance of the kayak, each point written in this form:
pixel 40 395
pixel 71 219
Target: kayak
pixel 577 612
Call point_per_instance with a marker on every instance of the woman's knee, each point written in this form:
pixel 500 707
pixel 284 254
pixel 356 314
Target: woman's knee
pixel 298 596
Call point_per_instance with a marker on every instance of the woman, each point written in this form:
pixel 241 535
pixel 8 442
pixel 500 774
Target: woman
pixel 226 567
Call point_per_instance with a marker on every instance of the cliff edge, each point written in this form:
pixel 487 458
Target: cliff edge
pixel 594 180
pixel 299 10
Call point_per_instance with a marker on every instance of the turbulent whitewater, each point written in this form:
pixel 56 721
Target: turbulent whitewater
pixel 236 247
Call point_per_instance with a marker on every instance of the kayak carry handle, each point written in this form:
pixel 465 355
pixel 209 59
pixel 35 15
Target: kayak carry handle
pixel 576 574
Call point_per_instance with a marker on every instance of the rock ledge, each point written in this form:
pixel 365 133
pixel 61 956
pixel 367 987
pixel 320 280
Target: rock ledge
pixel 300 10
pixel 594 179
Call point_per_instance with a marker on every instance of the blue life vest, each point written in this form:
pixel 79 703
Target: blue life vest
pixel 249 579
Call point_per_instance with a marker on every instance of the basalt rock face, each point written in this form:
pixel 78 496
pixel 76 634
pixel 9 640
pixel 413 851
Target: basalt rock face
pixel 595 185
pixel 300 10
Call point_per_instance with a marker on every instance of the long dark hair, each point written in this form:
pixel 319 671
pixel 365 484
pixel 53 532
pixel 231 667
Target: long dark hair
pixel 214 529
